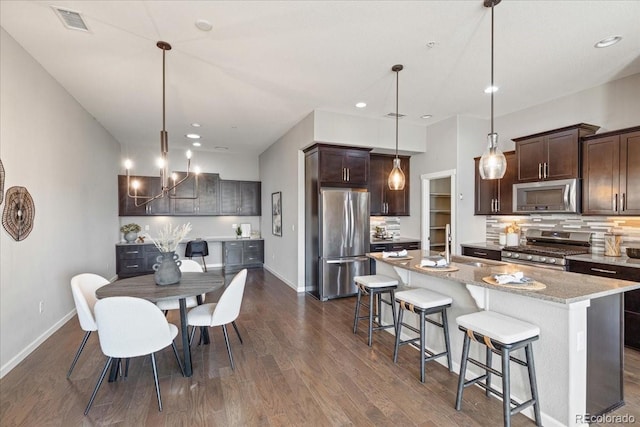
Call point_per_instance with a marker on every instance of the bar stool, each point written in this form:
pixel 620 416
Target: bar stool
pixel 423 302
pixel 197 248
pixel 501 335
pixel 375 286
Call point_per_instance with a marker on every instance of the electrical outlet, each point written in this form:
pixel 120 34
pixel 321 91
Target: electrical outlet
pixel 41 307
pixel 146 227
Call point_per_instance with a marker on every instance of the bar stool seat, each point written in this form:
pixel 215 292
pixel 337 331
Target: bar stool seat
pixel 374 285
pixel 501 335
pixel 423 302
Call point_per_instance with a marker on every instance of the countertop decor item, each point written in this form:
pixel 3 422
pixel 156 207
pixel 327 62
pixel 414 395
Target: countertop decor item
pixel 166 189
pixel 633 252
pixel 396 177
pixel 493 164
pixel 130 232
pixel 19 213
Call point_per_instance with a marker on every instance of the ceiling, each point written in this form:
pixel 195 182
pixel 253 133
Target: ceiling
pixel 265 65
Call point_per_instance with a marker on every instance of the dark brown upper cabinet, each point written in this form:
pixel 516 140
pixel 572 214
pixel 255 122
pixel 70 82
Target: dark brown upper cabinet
pixel 495 196
pixel 240 198
pixel 611 173
pixel 383 201
pixel 341 166
pixel 148 186
pixel 550 155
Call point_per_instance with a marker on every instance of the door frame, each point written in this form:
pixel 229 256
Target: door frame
pixel 425 181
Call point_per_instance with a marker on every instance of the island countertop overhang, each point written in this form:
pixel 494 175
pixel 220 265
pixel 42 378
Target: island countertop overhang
pixel 562 287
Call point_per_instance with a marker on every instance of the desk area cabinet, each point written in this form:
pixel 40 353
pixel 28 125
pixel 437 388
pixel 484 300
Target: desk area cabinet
pixel 135 259
pixel 239 254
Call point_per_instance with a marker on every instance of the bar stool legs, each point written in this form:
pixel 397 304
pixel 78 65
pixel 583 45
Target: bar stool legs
pixel 501 335
pixel 375 286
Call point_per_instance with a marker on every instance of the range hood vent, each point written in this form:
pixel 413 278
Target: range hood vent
pixel 71 19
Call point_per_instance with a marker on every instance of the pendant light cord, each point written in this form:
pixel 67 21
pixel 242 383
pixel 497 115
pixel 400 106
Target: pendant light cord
pixel 397 115
pixel 492 86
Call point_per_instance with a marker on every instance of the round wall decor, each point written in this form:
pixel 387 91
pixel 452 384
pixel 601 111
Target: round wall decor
pixel 19 212
pixel 1 181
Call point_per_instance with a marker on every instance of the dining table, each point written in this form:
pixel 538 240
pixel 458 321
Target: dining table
pixel 190 285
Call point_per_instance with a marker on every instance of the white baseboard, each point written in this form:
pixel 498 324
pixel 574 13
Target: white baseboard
pixel 7 367
pixel 291 285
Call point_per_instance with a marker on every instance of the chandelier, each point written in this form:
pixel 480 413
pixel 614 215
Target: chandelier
pixel 166 188
pixel 493 164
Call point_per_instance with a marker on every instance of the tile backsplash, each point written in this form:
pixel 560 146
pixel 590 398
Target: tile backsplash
pixel 392 223
pixel 627 227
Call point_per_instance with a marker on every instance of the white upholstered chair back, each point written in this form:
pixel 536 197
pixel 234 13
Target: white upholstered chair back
pixel 190 266
pixel 228 306
pixel 83 289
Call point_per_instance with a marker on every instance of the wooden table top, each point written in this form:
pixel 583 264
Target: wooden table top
pixel 191 284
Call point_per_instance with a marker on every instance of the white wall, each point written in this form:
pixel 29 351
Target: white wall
pixel 68 162
pixel 280 171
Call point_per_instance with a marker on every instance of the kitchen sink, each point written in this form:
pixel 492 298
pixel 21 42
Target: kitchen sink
pixel 479 264
pixel 474 263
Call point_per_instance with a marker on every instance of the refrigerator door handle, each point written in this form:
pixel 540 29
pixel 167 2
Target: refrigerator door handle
pixel 347 261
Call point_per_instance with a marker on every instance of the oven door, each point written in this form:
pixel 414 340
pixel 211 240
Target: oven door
pixel 534 264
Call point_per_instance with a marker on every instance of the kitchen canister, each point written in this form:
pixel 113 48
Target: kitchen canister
pixel 612 244
pixel 502 239
pixel 513 239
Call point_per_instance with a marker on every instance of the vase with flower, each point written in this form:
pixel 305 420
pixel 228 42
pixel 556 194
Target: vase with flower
pixel 130 232
pixel 167 268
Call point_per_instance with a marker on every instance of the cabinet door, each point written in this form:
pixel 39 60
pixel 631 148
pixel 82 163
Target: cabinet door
pixel 630 173
pixel 485 194
pixel 398 200
pixel 208 194
pixel 530 155
pixel 229 197
pixel 505 185
pixel 357 164
pixel 331 166
pixel 253 252
pixel 161 206
pixel 250 198
pixel 232 253
pixel 562 155
pixel 126 204
pixel 377 184
pixel 186 189
pixel 601 175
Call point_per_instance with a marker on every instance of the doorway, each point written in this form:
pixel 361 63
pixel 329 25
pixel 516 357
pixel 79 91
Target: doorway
pixel 438 209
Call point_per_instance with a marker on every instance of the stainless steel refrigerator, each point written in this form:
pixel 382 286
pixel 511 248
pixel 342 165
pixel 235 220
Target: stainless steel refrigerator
pixel 340 242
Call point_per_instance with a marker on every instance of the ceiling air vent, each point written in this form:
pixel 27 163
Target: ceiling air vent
pixel 393 115
pixel 72 20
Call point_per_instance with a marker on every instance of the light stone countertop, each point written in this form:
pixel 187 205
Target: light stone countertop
pixel 622 261
pixel 208 239
pixel 562 287
pixel 394 240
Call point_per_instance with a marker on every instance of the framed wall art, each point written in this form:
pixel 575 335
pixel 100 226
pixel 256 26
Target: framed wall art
pixel 276 213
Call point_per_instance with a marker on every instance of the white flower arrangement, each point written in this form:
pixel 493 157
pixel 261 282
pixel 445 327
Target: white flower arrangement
pixel 170 237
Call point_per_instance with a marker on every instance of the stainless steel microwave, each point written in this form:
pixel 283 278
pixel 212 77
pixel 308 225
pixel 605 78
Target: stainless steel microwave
pixel 559 196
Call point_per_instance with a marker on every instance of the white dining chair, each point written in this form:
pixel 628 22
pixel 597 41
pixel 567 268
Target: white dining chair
pixel 225 311
pixel 131 327
pixel 187 266
pixel 83 289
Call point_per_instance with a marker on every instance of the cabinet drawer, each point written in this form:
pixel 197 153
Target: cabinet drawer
pixel 412 246
pixel 133 252
pixel 632 301
pixel 481 253
pixel 132 266
pixel 378 247
pixel 605 270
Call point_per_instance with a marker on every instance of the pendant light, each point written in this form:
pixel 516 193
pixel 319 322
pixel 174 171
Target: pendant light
pixel 396 177
pixel 166 189
pixel 493 164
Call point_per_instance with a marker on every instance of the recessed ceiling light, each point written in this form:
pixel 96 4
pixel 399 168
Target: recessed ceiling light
pixel 197 144
pixel 490 89
pixel 609 41
pixel 426 116
pixel 204 25
pixel 431 44
pixel 195 125
pixel 192 136
pixel 222 148
pixel 361 104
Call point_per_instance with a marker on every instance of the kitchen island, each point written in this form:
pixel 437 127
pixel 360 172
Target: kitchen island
pixel 570 310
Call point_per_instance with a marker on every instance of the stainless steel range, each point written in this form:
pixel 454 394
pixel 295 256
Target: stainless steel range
pixel 548 248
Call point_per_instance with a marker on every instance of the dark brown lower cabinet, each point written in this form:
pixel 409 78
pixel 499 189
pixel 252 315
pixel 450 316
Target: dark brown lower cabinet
pixel 239 254
pixel 493 254
pixel 135 259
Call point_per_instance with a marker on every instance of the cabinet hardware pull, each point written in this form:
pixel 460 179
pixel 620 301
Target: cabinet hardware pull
pixel 546 170
pixel 497 205
pixel 623 204
pixel 132 252
pixel 615 202
pixel 133 266
pixel 479 253
pixel 600 270
pixel 348 174
pixel 539 170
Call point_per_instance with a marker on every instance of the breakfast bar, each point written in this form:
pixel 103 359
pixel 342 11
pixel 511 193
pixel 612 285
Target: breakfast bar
pixel 579 353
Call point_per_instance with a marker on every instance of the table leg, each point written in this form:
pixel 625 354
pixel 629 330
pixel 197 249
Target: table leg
pixel 185 338
pixel 204 331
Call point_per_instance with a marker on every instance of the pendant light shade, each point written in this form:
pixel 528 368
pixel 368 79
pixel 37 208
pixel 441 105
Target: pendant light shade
pixel 493 164
pixel 396 177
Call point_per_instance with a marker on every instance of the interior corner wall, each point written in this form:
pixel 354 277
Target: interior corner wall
pixel 68 162
pixel 280 171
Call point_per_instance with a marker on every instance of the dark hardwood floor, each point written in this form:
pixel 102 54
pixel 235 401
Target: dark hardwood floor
pixel 300 365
